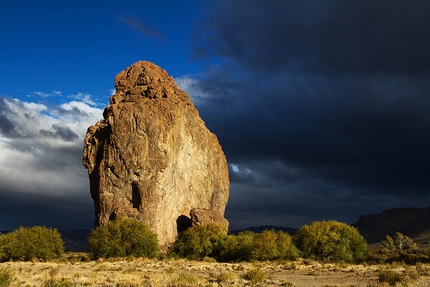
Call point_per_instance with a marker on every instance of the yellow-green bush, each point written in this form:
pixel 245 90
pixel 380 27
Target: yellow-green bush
pixel 26 243
pixel 200 241
pixel 123 237
pixel 331 240
pixel 211 240
pixel 250 246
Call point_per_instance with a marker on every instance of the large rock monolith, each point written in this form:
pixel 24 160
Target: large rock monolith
pixel 152 157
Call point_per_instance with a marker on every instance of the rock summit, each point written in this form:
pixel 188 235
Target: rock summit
pixel 152 157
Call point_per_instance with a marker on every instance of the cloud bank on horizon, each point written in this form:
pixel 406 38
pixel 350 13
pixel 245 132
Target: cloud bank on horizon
pixel 322 109
pixel 42 178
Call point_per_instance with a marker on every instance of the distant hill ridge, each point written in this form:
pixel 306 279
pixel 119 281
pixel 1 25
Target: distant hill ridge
pixel 258 229
pixel 413 222
pixel 75 240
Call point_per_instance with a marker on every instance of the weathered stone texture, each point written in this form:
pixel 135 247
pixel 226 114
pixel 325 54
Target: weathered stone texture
pixel 152 157
pixel 201 216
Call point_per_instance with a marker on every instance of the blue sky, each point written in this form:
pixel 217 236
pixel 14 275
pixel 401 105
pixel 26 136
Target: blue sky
pixel 78 46
pixel 321 106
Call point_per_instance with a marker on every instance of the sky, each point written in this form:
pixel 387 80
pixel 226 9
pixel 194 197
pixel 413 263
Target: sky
pixel 322 107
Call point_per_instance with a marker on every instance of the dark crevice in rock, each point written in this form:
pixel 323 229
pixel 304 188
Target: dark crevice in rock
pixel 183 223
pixel 136 199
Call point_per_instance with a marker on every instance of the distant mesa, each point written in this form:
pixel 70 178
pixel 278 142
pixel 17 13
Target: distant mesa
pixel 413 222
pixel 152 157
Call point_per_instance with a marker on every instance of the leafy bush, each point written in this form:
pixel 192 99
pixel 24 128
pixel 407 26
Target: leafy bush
pixel 285 246
pixel 32 242
pixel 123 237
pixel 237 247
pixel 399 242
pixel 200 241
pixel 211 240
pixel 331 240
pixel 250 246
pixel 2 255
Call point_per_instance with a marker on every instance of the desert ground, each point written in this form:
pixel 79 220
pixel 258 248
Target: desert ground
pixel 75 270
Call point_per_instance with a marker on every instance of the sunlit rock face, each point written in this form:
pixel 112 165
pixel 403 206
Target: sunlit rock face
pixel 152 157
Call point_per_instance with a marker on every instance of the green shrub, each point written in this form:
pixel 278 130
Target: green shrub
pixel 265 245
pixel 237 247
pixel 331 240
pixel 32 242
pixel 200 241
pixel 399 242
pixel 2 255
pixel 250 246
pixel 285 246
pixel 6 277
pixel 123 237
pixel 211 240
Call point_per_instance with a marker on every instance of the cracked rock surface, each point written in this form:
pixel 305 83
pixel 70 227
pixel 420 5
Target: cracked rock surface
pixel 152 157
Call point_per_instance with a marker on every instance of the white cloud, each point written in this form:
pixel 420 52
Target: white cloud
pixel 54 93
pixel 35 107
pixel 192 88
pixel 41 146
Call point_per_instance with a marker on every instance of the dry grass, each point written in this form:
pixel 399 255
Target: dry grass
pixel 182 273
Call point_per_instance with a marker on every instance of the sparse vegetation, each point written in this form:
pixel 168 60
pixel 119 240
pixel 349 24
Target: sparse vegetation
pixel 390 276
pixel 255 275
pixel 6 277
pixel 184 280
pixel 331 241
pixel 223 277
pixel 123 237
pixel 62 282
pixel 38 242
pixel 183 272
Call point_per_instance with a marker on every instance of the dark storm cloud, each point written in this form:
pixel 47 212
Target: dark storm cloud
pixel 331 98
pixel 7 127
pixel 146 29
pixel 75 111
pixel 35 209
pixel 335 35
pixel 56 131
